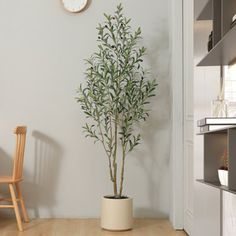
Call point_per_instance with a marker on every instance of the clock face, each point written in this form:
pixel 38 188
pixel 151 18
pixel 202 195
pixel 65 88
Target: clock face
pixel 74 5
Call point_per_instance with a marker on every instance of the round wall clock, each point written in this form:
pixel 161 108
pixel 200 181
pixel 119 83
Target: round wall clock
pixel 74 5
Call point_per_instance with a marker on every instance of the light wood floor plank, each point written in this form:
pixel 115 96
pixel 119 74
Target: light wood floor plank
pixel 85 227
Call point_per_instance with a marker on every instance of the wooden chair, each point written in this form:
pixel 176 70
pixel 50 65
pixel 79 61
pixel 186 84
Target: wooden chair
pixel 16 177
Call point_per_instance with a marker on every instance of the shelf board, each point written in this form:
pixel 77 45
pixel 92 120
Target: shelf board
pixel 224 51
pixel 217 185
pixel 222 130
pixel 206 12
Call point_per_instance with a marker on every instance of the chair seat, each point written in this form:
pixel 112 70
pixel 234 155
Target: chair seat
pixel 8 179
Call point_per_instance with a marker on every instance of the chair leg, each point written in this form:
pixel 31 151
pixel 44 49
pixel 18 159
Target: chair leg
pixel 22 203
pixel 17 213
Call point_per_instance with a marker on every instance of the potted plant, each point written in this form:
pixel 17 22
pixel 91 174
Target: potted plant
pixel 114 99
pixel 223 170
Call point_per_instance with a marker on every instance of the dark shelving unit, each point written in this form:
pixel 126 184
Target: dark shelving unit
pixel 222 53
pixel 215 142
pixel 224 37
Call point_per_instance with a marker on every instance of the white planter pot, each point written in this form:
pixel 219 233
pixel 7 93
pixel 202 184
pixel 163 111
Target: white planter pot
pixel 223 177
pixel 117 214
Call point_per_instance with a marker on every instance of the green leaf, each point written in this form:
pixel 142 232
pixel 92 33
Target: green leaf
pixel 117 90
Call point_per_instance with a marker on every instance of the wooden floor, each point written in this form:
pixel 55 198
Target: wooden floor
pixel 90 227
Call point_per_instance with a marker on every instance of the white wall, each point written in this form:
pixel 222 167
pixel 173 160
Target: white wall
pixel 41 56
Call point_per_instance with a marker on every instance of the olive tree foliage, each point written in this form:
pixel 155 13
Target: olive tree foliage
pixel 116 93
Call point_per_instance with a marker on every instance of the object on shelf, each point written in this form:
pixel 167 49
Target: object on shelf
pixel 234 18
pixel 219 108
pixel 223 177
pixel 233 23
pixel 210 42
pixel 223 170
pixel 207 128
pixel 217 121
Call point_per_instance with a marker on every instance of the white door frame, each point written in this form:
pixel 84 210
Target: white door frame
pixel 188 22
pixel 177 152
pixel 182 116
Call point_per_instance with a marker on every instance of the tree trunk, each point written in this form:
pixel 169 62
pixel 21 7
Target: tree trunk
pixel 122 171
pixel 115 182
pixel 114 160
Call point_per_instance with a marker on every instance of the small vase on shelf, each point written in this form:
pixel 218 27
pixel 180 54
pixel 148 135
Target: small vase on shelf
pixel 219 107
pixel 223 170
pixel 223 177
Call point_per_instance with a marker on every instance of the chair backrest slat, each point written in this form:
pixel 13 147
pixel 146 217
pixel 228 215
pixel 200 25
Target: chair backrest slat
pixel 20 132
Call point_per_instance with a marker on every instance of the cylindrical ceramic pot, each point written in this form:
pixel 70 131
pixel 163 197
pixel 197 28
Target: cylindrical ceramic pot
pixel 117 214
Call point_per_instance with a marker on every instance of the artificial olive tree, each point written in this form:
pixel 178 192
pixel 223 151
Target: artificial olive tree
pixel 116 93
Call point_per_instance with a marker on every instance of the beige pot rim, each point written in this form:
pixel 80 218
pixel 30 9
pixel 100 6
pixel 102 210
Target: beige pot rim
pixel 111 198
